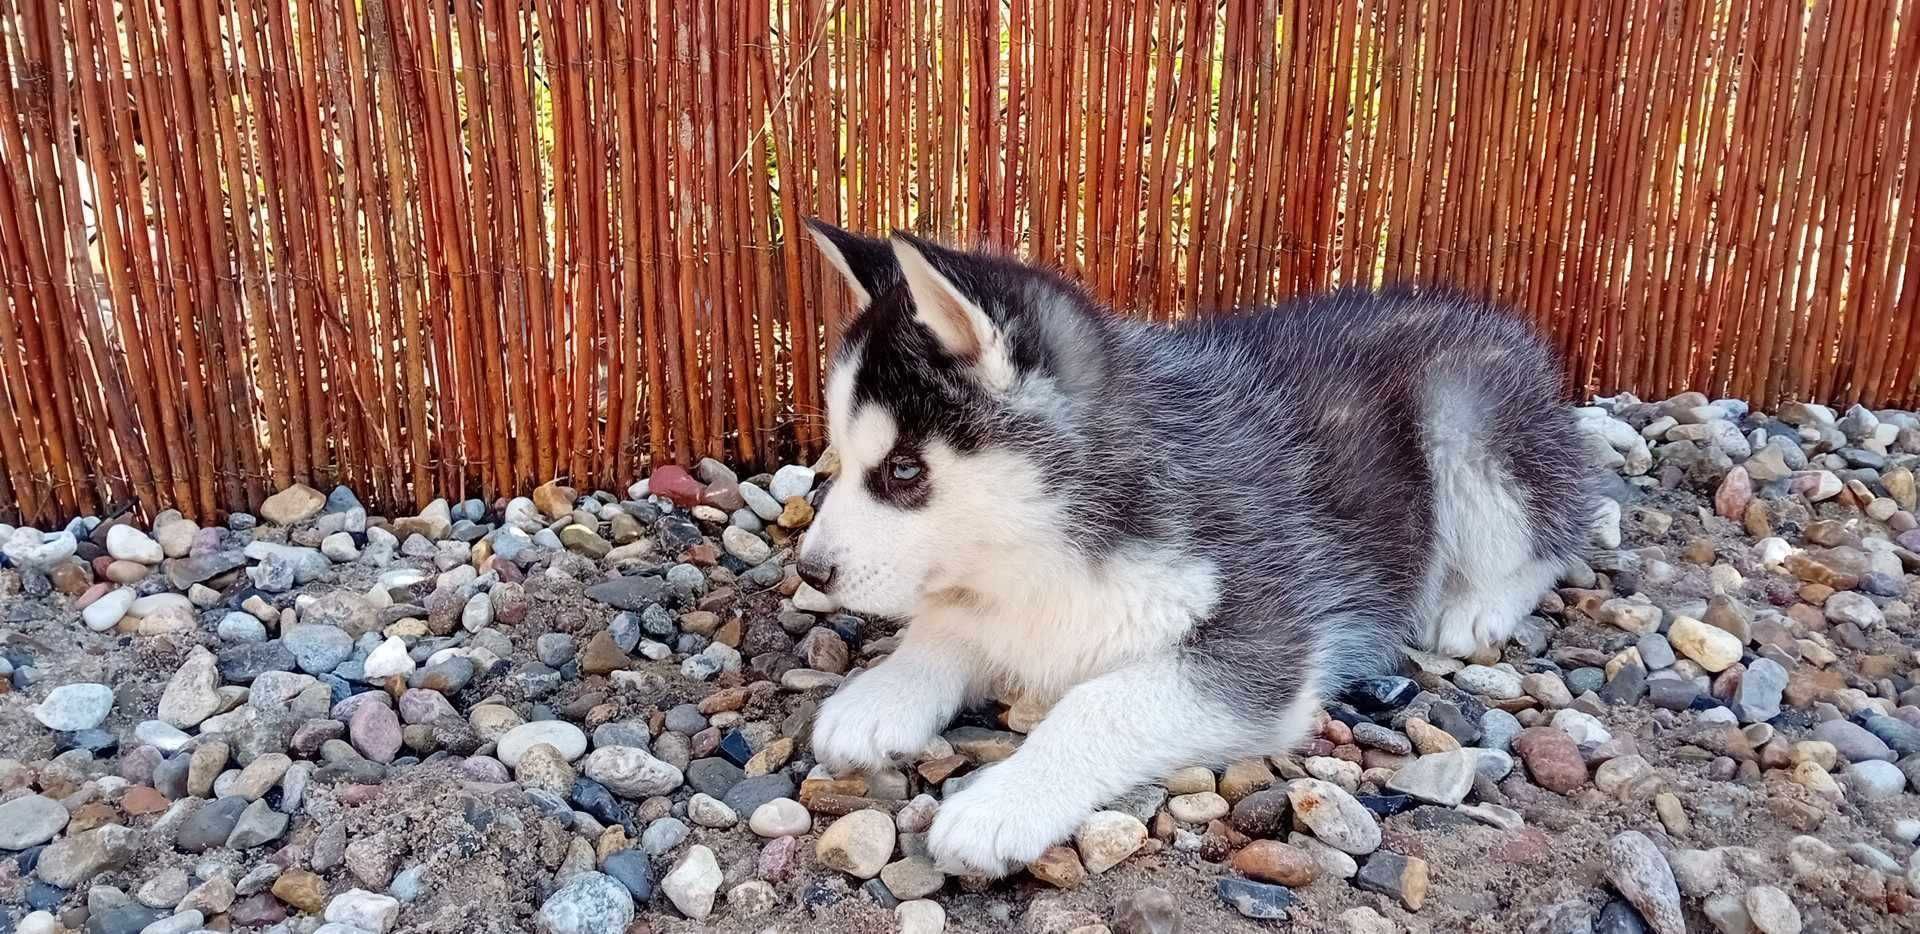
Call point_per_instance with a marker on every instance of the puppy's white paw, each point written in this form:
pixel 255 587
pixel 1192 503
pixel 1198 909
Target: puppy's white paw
pixel 999 824
pixel 865 726
pixel 1461 630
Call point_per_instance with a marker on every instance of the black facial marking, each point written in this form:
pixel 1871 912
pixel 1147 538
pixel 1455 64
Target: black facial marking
pixel 901 479
pixel 904 370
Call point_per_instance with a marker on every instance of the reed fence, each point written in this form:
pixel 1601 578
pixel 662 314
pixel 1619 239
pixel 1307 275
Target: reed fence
pixel 465 246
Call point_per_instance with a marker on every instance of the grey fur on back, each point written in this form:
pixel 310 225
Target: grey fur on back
pixel 1287 446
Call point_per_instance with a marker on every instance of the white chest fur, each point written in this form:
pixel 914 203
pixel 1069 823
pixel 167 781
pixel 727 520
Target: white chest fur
pixel 1042 630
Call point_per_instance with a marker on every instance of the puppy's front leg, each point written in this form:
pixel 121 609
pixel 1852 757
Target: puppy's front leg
pixel 1106 736
pixel 896 707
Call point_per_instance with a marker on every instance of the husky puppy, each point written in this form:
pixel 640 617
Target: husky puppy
pixel 1184 537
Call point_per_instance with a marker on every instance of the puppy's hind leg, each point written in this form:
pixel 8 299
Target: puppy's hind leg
pixel 1486 571
pixel 1106 736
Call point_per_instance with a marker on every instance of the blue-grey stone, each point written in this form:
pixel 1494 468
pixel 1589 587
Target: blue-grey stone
pixel 318 649
pixel 657 621
pixel 686 582
pixel 594 798
pixel 1903 737
pixel 590 903
pixel 1498 728
pixel 406 885
pixel 686 718
pixel 1656 652
pixel 713 776
pixel 1758 699
pixel 629 593
pixel 1619 917
pixel 622 733
pixel 1257 900
pixel 210 826
pixel 748 794
pixel 632 869
pixel 662 836
pixel 735 749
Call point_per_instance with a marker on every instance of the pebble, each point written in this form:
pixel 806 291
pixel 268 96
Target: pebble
pixel 1849 608
pixel 858 844
pixel 1396 876
pixel 663 836
pixel 569 740
pixel 631 869
pixel 1853 742
pixel 1375 736
pixel 317 649
pixel 590 903
pixel 293 505
pixel 375 732
pixel 1655 651
pixel 1899 735
pixel 913 877
pixel 1334 817
pixel 1273 861
pixel 73 707
pixel 1758 698
pixel 1106 838
pixel 1491 682
pixel 1550 689
pixel 1874 780
pixel 1258 900
pixel 708 811
pixel 29 821
pixel 1364 920
pixel 367 911
pixel 1198 808
pixel 1584 728
pixel 791 481
pixel 1728 914
pixel 1710 647
pixel 126 543
pixel 1442 778
pixel 241 627
pixel 1552 758
pixel 301 889
pixel 209 827
pixel 389 659
pixel 627 770
pixel 1494 815
pixel 1641 874
pixel 1060 867
pixel 781 817
pixel 752 898
pixel 919 916
pixel 193 693
pixel 1771 911
pixel 258 824
pixel 692 883
pixel 102 614
pixel 745 545
pixel 1498 729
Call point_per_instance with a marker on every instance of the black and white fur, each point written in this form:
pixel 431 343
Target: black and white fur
pixel 1185 537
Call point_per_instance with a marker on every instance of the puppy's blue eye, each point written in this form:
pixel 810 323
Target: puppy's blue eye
pixel 906 469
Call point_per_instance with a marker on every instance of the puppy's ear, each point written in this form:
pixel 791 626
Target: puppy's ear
pixel 938 280
pixel 867 264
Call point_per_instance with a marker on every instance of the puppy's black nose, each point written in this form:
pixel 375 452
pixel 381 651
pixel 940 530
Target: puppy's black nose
pixel 817 574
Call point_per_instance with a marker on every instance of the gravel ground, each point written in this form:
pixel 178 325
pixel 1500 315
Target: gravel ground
pixel 588 712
